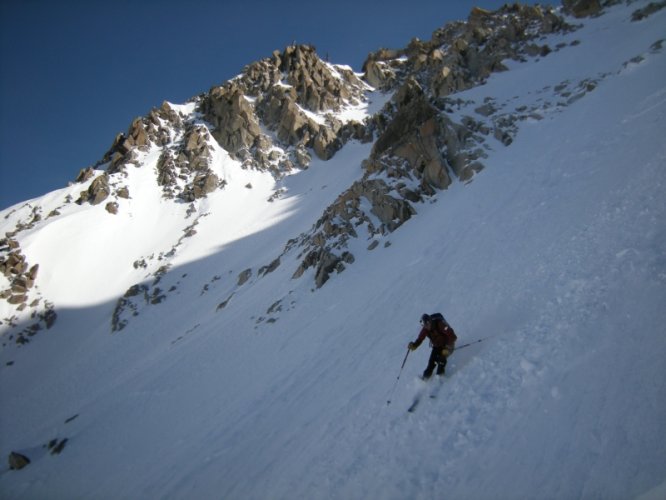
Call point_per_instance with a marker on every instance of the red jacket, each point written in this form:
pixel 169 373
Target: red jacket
pixel 440 335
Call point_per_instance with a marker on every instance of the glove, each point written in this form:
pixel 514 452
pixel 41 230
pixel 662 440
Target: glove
pixel 411 346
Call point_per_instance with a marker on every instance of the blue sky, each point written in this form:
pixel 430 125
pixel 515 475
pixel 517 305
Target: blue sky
pixel 74 73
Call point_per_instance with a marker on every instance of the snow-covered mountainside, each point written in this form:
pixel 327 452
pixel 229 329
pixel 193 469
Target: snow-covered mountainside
pixel 220 307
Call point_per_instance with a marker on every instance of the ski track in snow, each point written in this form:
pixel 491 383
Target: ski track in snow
pixel 555 255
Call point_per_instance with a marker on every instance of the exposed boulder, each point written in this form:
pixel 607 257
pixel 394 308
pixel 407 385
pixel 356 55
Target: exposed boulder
pixel 32 273
pixel 201 185
pixel 98 191
pixel 112 207
pixel 56 446
pixel 264 270
pixel 17 299
pixel 14 264
pixel 244 277
pixel 17 461
pixel 20 285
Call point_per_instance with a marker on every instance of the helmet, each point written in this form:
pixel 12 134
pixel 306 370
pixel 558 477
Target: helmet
pixel 425 319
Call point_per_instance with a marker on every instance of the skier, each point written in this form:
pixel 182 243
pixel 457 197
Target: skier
pixel 442 340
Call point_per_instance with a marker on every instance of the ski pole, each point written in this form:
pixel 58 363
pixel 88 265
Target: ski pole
pixel 403 363
pixel 470 343
pixel 388 402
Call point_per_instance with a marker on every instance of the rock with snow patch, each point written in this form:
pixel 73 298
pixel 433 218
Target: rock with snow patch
pixel 98 191
pixel 112 207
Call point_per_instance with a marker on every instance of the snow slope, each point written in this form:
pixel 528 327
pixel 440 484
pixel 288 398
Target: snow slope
pixel 555 255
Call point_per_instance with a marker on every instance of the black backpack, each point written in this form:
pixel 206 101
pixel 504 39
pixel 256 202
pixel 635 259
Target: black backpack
pixel 440 317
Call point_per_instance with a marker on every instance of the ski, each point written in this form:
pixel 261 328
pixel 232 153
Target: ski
pixel 421 390
pixel 432 393
pixel 421 393
pixel 414 404
pixel 438 386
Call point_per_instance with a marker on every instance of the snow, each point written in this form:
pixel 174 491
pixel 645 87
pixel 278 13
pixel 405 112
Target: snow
pixel 358 112
pixel 554 255
pixel 184 109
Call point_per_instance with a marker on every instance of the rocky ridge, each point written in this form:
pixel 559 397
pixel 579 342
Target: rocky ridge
pixel 270 117
pixel 283 109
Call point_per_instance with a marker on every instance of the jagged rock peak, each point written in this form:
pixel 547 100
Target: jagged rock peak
pixel 293 95
pixel 318 85
pixel 281 93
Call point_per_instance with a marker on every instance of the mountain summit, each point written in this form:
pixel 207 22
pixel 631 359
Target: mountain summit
pixel 220 305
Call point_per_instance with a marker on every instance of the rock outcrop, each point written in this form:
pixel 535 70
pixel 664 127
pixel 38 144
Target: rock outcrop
pixel 22 293
pixel 282 93
pixel 98 191
pixel 582 8
pixel 185 171
pixel 270 117
pixel 17 461
pixel 418 147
